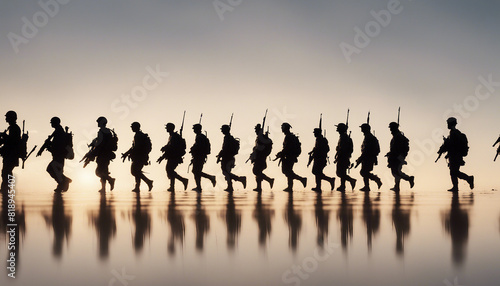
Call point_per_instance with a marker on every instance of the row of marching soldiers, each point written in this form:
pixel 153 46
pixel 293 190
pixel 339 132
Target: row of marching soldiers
pixel 103 147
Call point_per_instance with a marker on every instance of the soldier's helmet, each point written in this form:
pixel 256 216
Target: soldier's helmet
pixel 102 119
pixel 393 125
pixel 317 131
pixel 11 115
pixel 197 127
pixel 341 127
pixel 286 125
pixel 258 127
pixel 365 127
pixel 452 121
pixel 55 120
pixel 225 128
pixel 170 126
pixel 135 125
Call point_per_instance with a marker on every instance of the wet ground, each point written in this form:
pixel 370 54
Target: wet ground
pixel 182 238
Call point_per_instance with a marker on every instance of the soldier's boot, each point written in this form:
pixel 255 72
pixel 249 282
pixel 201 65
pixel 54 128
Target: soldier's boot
pixel 412 181
pixel 196 189
pixel 66 183
pixel 111 183
pixel 365 189
pixel 288 189
pixel 243 180
pixel 303 180
pixel 378 181
pixel 454 189
pixel 136 189
pixel 470 180
pixel 259 186
pixel 172 186
pixel 212 179
pixel 341 188
pixel 395 188
pixel 103 186
pixel 229 189
pixel 332 183
pixel 150 184
pixel 352 181
pixel 185 182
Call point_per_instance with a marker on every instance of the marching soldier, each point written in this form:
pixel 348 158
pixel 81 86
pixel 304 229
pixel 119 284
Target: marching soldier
pixel 288 157
pixel 174 152
pixel 103 147
pixel 199 152
pixel 342 157
pixel 230 148
pixel 399 148
pixel 57 144
pixel 139 154
pixel 319 155
pixel 368 158
pixel 262 149
pixel 456 146
pixel 10 141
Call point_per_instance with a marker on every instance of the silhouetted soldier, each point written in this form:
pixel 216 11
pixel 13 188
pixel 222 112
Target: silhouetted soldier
pixel 199 152
pixel 342 157
pixel 369 152
pixel 10 141
pixel 319 155
pixel 262 149
pixel 139 154
pixel 396 157
pixel 174 152
pixel 230 148
pixel 57 144
pixel 103 149
pixel 288 157
pixel 456 146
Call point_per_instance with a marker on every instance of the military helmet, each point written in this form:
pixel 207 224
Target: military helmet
pixel 286 125
pixel 135 125
pixel 197 126
pixel 170 125
pixel 225 127
pixel 55 120
pixel 393 125
pixel 452 120
pixel 365 126
pixel 317 130
pixel 258 126
pixel 11 114
pixel 103 119
pixel 341 127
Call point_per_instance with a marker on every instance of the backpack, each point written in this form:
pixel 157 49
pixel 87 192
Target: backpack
pixel 22 149
pixel 205 145
pixel 113 142
pixel 404 145
pixel 295 146
pixel 233 146
pixel 144 145
pixel 268 145
pixel 323 146
pixel 463 145
pixel 68 141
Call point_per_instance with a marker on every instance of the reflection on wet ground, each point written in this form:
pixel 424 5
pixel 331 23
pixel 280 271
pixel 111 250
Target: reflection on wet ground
pixel 246 238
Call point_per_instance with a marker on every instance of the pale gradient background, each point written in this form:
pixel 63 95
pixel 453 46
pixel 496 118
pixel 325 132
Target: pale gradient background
pixel 281 55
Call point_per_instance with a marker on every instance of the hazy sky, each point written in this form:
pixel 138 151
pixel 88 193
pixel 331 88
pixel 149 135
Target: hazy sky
pixel 149 61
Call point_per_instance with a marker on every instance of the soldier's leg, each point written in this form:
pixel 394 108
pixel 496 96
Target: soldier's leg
pixel 465 177
pixel 227 166
pixel 342 174
pixel 317 171
pixel 136 171
pixel 365 173
pixel 395 170
pixel 257 171
pixel 197 167
pixel 286 168
pixel 454 170
pixel 7 169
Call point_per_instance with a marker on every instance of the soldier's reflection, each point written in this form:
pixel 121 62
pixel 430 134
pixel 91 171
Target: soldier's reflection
pixel 401 220
pixel 202 223
pixel 456 224
pixel 175 219
pixel 294 220
pixel 322 220
pixel 105 224
pixel 371 218
pixel 345 216
pixel 233 222
pixel 142 221
pixel 263 215
pixel 60 222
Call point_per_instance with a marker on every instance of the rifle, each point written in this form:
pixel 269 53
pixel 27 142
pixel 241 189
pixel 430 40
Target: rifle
pixel 201 115
pixel 399 110
pixel 89 156
pixel 45 145
pixel 182 125
pixel 231 121
pixel 32 150
pixel 441 150
pixel 368 118
pixel 498 150
pixel 264 122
